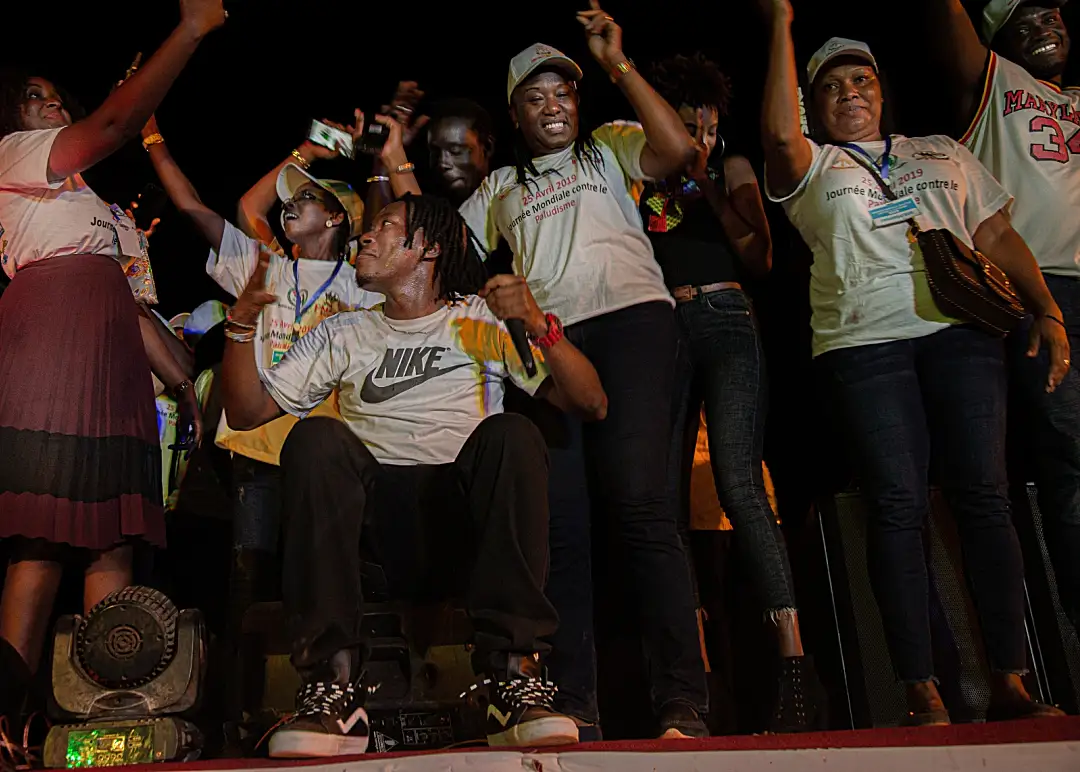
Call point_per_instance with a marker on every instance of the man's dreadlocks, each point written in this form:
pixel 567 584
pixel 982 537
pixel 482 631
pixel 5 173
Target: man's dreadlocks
pixel 459 269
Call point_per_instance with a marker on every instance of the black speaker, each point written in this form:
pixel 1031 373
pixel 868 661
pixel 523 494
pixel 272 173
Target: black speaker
pixel 1056 645
pixel 871 694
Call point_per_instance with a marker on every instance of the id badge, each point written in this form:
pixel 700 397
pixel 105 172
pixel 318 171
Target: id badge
pixel 892 212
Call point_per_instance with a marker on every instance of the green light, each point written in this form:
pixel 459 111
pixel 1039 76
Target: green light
pixel 110 747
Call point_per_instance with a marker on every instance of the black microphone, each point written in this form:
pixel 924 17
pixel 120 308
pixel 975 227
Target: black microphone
pixel 516 328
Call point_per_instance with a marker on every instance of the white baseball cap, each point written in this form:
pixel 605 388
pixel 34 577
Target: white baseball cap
pixel 997 13
pixel 838 47
pixel 534 57
pixel 292 177
pixel 205 316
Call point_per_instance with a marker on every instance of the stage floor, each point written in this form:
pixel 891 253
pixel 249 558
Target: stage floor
pixel 1022 746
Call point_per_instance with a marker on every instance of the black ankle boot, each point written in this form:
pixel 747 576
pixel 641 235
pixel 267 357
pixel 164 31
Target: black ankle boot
pixel 800 698
pixel 15 676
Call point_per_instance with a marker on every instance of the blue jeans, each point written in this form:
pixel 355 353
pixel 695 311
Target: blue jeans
pixel 720 361
pixel 1045 441
pixel 256 504
pixel 899 401
pixel 633 350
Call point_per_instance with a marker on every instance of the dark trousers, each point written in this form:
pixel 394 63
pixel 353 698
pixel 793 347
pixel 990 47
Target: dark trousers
pixel 1044 440
pixel 256 504
pixel 721 362
pixel 899 401
pixel 618 466
pixel 477 526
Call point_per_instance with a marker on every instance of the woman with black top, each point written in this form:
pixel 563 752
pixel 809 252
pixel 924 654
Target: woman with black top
pixel 709 232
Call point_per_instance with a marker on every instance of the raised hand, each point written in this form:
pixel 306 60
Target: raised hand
pixel 319 152
pixel 151 127
pixel 255 295
pixel 202 16
pixel 774 10
pixel 402 108
pixel 604 35
pixel 393 150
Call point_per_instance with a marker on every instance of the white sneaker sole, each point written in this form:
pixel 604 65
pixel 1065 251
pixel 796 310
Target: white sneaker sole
pixel 538 733
pixel 286 744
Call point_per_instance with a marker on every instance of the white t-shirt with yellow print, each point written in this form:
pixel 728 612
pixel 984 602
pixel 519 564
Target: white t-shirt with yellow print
pixel 575 230
pixel 412 390
pixel 231 265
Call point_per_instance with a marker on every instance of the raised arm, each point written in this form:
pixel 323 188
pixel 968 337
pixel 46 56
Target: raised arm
pixel 181 192
pixel 963 56
pixel 574 385
pixel 668 146
pixel 402 108
pixel 394 159
pixel 245 399
pixel 787 153
pixel 255 206
pixel 126 110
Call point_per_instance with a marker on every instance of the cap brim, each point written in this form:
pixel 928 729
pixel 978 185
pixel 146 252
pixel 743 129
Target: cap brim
pixel 855 53
pixel 563 64
pixel 989 30
pixel 290 179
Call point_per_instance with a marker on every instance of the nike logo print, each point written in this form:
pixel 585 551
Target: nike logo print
pixel 372 393
pixel 498 715
pixel 353 720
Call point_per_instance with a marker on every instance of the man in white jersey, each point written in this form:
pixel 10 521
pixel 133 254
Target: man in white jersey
pixel 1024 126
pixel 450 491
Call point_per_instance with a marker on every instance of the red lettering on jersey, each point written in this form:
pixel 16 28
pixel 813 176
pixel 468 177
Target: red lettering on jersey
pixel 1012 101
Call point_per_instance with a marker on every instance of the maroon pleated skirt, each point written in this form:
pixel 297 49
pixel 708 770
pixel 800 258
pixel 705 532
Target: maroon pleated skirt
pixel 80 459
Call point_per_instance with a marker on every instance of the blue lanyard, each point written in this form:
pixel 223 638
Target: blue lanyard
pixel 883 165
pixel 302 309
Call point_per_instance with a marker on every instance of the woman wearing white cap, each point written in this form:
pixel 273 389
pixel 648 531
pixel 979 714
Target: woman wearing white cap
pixel 569 213
pixel 320 217
pixel 907 377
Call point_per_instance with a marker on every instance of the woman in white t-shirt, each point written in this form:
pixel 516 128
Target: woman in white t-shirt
pixel 907 378
pixel 80 466
pixel 568 209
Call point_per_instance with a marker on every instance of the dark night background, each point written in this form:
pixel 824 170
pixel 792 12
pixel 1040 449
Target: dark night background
pixel 248 95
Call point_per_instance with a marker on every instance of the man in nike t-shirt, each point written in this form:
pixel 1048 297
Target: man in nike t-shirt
pixel 451 491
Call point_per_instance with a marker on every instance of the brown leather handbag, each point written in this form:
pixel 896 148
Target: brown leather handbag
pixel 964 283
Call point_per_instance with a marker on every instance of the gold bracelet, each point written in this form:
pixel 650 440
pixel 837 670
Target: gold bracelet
pixel 153 139
pixel 303 161
pixel 406 168
pixel 240 337
pixel 622 69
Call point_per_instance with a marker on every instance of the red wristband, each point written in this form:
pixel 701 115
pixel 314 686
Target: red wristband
pixel 553 335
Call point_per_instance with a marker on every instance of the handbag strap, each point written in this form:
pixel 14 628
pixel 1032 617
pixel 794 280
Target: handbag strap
pixel 885 189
